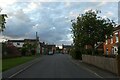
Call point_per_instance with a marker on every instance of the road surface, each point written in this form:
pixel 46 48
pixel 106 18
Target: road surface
pixel 56 66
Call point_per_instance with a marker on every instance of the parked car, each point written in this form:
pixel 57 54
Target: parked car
pixel 50 53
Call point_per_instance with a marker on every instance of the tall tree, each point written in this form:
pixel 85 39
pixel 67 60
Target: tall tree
pixel 89 28
pixel 2 21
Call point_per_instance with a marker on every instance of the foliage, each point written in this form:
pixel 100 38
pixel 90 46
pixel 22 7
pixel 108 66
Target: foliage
pixel 28 48
pixel 75 54
pixel 2 21
pixel 89 28
pixel 10 51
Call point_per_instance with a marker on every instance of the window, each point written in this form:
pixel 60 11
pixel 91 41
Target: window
pixel 106 39
pixel 106 36
pixel 107 51
pixel 115 49
pixel 18 43
pixel 117 39
pixel 111 39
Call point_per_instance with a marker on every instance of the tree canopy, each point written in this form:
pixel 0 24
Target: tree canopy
pixel 89 28
pixel 2 21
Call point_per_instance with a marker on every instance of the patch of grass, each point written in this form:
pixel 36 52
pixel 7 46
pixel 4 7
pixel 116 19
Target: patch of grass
pixel 0 65
pixel 12 62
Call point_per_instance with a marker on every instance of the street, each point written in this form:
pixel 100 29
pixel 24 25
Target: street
pixel 56 66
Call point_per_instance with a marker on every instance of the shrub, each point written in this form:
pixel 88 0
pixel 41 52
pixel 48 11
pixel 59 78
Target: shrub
pixel 76 54
pixel 11 51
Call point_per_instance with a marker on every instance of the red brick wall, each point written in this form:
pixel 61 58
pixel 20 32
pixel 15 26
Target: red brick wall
pixel 109 45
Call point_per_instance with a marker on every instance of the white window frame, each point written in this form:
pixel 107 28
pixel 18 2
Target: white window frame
pixel 111 40
pixel 117 38
pixel 106 41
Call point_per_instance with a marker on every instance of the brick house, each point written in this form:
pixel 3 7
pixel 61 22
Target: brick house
pixel 66 48
pixel 51 48
pixel 112 42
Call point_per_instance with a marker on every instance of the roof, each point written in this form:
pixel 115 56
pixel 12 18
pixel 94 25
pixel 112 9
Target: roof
pixel 67 46
pixel 42 43
pixel 100 45
pixel 15 40
pixel 116 28
pixel 50 45
pixel 29 39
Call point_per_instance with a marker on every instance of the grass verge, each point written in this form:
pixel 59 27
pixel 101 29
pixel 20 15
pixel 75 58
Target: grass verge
pixel 0 65
pixel 12 62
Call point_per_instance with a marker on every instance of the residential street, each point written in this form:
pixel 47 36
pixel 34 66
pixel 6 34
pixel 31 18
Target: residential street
pixel 56 66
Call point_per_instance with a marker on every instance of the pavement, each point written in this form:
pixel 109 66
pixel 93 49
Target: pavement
pixel 57 66
pixel 96 70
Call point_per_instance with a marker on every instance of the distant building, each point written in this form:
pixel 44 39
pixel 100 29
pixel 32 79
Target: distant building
pixel 66 48
pixel 51 48
pixel 17 43
pixel 33 42
pixel 42 48
pixel 30 41
pixel 10 50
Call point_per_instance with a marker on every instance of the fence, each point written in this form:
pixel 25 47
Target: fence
pixel 109 64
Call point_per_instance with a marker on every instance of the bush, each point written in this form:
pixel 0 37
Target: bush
pixel 98 52
pixel 86 51
pixel 11 51
pixel 23 51
pixel 76 54
pixel 89 51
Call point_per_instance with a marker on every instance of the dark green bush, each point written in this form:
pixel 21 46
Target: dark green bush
pixel 76 54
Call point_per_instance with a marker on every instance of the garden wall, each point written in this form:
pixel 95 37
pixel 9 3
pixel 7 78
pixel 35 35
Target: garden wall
pixel 109 64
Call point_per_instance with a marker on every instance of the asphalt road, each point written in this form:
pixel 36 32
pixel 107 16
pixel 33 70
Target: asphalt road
pixel 56 66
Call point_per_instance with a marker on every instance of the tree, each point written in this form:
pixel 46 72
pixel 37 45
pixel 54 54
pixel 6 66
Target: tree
pixel 89 28
pixel 2 21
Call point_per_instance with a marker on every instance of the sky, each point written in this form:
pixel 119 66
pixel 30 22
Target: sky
pixel 51 19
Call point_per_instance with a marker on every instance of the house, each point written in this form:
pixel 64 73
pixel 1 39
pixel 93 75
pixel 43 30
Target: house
pixel 30 41
pixel 51 48
pixel 42 48
pixel 17 43
pixel 99 47
pixel 88 46
pixel 57 49
pixel 9 50
pixel 66 48
pixel 112 42
pixel 35 43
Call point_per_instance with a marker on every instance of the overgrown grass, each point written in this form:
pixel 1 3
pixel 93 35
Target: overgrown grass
pixel 12 62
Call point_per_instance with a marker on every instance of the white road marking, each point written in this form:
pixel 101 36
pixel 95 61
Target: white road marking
pixel 22 70
pixel 88 70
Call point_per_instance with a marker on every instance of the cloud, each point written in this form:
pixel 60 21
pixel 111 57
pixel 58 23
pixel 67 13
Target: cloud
pixel 50 19
pixel 102 3
pixel 109 14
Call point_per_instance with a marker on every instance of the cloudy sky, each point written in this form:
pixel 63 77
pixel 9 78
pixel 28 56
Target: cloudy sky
pixel 50 19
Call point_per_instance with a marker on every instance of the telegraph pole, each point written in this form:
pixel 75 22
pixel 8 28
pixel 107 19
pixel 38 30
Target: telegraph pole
pixel 37 44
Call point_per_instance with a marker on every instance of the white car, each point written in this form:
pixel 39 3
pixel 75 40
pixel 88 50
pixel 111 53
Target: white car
pixel 50 53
